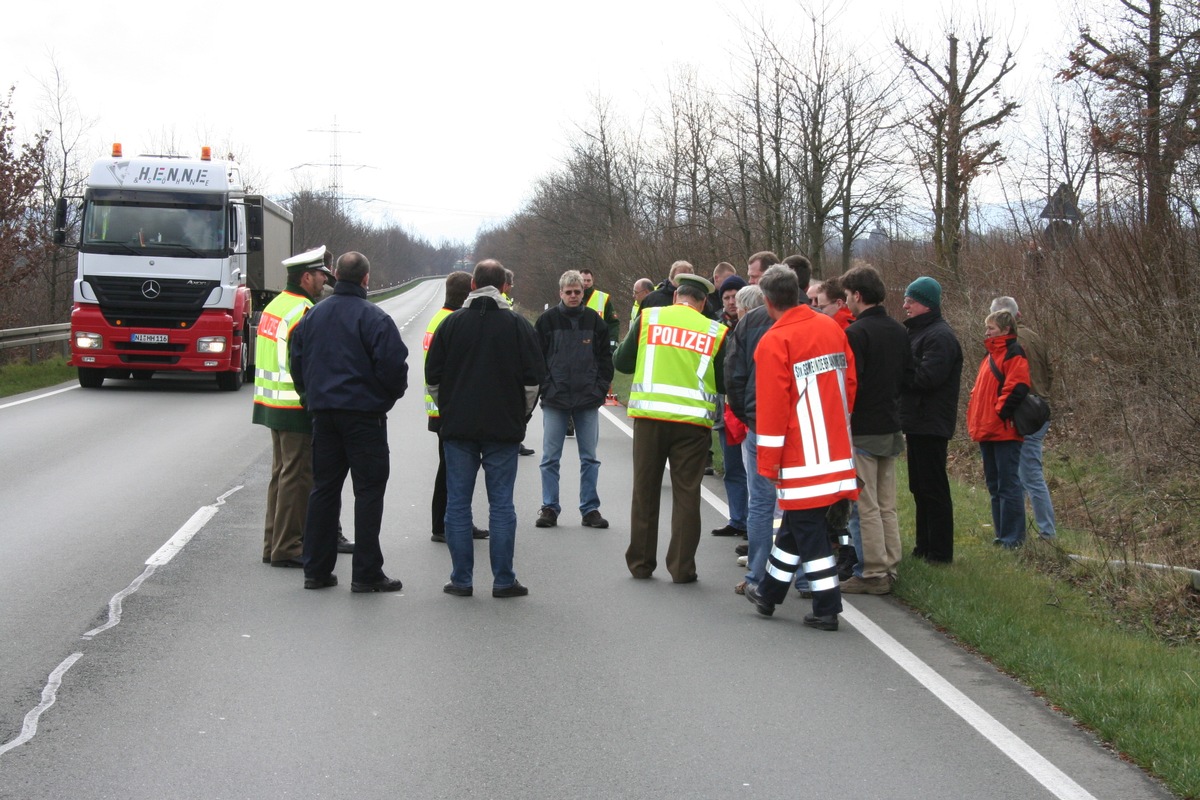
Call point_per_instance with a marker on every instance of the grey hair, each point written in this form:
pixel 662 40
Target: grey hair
pixel 780 286
pixel 571 277
pixel 1006 303
pixel 749 297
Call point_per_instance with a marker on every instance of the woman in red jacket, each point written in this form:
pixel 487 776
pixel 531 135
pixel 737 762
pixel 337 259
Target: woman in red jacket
pixel 1000 386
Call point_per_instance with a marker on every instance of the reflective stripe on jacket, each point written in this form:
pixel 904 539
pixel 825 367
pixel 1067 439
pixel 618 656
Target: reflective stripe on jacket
pixel 674 380
pixel 806 385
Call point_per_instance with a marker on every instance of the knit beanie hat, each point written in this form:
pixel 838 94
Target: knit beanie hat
pixel 926 291
pixel 732 282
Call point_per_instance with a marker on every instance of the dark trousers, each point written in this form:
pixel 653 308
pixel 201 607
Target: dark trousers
pixel 438 504
pixel 930 489
pixel 802 545
pixel 685 446
pixel 345 442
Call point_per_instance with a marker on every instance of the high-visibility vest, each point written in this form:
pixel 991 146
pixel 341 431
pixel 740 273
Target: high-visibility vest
pixel 674 380
pixel 273 384
pixel 598 301
pixel 438 316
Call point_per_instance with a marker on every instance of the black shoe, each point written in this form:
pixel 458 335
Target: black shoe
pixel 827 623
pixel 438 537
pixel 344 545
pixel 764 608
pixel 320 583
pixel 384 584
pixel 476 533
pixel 709 471
pixel 293 563
pixel 458 591
pixel 516 590
pixel 266 559
pixel 742 550
pixel 525 451
pixel 592 519
pixel 728 530
pixel 571 427
pixel 546 518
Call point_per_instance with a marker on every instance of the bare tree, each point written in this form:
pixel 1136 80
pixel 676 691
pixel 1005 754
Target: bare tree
pixel 63 175
pixel 21 246
pixel 960 108
pixel 1148 59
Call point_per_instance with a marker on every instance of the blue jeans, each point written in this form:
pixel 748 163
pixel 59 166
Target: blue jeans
pixel 587 434
pixel 737 493
pixel 1033 480
pixel 856 537
pixel 1001 466
pixel 761 514
pixel 499 462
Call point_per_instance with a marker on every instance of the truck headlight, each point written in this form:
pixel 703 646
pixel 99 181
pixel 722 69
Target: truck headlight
pixel 88 341
pixel 210 344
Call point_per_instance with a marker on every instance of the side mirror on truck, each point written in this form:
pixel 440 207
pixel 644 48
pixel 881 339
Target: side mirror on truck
pixel 60 221
pixel 254 228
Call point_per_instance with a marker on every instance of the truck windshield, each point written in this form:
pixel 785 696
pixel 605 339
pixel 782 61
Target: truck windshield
pixel 154 223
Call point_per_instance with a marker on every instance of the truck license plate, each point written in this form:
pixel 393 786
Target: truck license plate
pixel 150 338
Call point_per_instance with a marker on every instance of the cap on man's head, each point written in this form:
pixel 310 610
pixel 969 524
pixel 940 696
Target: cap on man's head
pixel 699 281
pixel 926 291
pixel 733 282
pixel 319 258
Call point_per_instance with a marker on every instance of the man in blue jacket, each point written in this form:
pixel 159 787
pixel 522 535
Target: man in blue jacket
pixel 350 366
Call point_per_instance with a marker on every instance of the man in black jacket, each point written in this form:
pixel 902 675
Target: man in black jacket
pixel 350 366
pixel 882 360
pixel 483 369
pixel 928 416
pixel 579 369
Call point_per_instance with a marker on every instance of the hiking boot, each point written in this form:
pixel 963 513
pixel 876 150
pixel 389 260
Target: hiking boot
pixel 546 518
pixel 592 519
pixel 877 585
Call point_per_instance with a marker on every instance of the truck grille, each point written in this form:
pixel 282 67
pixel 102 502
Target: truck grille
pixel 171 303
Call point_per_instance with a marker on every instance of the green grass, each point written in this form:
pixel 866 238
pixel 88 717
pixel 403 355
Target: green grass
pixel 1137 692
pixel 18 378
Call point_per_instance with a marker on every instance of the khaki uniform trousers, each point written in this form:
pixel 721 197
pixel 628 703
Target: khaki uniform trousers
pixel 287 495
pixel 685 447
pixel 877 520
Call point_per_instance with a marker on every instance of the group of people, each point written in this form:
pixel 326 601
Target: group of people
pixel 814 403
pixel 814 389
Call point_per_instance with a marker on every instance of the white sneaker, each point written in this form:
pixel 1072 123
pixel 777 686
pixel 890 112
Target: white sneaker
pixel 743 560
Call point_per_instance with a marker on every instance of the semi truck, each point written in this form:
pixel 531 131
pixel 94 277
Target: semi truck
pixel 175 263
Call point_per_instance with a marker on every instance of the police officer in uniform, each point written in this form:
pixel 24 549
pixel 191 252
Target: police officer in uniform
pixel 675 354
pixel 277 406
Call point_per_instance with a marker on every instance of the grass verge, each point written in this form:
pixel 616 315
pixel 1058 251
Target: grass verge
pixel 1026 613
pixel 18 378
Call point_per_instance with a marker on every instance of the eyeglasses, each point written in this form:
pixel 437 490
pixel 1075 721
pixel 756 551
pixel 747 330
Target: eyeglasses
pixel 572 291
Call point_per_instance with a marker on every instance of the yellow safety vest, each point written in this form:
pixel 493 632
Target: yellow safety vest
pixel 674 379
pixel 431 407
pixel 273 385
pixel 598 301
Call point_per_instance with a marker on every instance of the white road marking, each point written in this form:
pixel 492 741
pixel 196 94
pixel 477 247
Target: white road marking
pixel 49 695
pixel 1055 780
pixel 38 397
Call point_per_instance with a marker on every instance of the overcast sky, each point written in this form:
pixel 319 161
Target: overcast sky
pixel 448 111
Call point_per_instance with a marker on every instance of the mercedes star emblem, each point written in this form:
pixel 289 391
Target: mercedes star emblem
pixel 151 290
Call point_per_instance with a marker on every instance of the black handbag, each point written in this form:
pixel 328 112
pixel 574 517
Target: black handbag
pixel 1031 414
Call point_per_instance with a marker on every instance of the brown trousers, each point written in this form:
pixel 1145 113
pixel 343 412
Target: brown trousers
pixel 287 494
pixel 685 447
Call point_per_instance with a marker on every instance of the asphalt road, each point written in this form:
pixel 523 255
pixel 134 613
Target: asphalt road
pixel 223 678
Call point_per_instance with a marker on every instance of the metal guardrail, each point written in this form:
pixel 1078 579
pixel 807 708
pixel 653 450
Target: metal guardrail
pixel 35 337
